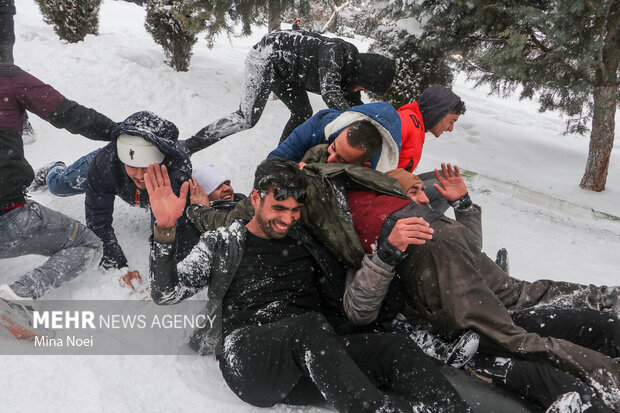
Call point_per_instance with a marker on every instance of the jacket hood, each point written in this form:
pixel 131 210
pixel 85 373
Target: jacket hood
pixel 374 72
pixel 386 120
pixel 436 102
pixel 160 132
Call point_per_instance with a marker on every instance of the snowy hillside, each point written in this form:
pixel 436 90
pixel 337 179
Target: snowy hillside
pixel 121 71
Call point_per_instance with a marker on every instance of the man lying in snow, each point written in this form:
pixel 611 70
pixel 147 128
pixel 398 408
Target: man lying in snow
pixel 265 280
pixel 350 231
pixel 214 187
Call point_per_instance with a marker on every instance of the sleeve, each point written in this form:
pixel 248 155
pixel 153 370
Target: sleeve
pixel 99 216
pixel 49 104
pixel 366 289
pixel 304 137
pixel 331 62
pixel 171 282
pixel 208 219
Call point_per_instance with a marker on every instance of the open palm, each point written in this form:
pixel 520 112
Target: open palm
pixel 166 206
pixel 451 185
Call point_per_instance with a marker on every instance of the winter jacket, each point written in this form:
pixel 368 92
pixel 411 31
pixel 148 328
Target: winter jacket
pixel 325 126
pixel 7 7
pixel 20 91
pixel 107 179
pixel 456 287
pixel 213 263
pixel 325 65
pixel 412 129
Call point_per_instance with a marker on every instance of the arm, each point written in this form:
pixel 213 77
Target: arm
pixel 452 187
pixel 46 102
pixel 366 289
pixel 330 62
pixel 207 219
pixel 172 283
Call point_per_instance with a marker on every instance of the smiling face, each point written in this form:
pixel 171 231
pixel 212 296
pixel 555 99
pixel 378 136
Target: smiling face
pixel 223 192
pixel 446 124
pixel 273 218
pixel 136 175
pixel 341 152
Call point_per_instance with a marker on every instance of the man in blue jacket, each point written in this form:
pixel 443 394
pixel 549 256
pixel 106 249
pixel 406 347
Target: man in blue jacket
pixel 330 126
pixel 118 170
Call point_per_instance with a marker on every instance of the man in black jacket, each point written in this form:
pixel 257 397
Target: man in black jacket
pixel 292 63
pixel 265 280
pixel 27 227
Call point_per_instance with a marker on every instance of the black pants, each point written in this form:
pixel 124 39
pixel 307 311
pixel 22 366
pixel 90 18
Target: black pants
pixel 299 360
pixel 7 37
pixel 541 382
pixel 260 78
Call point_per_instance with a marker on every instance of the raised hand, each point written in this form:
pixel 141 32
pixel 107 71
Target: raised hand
pixel 407 231
pixel 166 206
pixel 451 186
pixel 197 195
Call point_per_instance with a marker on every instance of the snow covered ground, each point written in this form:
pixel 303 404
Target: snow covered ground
pixel 121 71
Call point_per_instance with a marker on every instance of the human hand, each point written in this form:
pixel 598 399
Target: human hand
pixel 302 165
pixel 408 231
pixel 134 281
pixel 166 206
pixel 451 186
pixel 197 195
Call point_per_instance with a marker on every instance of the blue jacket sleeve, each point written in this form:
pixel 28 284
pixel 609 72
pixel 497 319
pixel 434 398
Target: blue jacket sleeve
pixel 307 135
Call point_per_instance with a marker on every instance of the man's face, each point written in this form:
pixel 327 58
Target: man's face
pixel 446 124
pixel 417 195
pixel 341 152
pixel 136 175
pixel 222 192
pixel 274 218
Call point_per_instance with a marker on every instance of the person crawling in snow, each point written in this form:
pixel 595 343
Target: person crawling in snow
pixel 267 281
pixel 291 64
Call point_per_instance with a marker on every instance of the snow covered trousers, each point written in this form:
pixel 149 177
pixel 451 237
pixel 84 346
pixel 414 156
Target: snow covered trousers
pixel 35 229
pixel 259 80
pixel 298 360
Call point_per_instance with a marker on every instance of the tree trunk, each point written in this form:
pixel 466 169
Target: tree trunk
pixel 601 138
pixel 274 15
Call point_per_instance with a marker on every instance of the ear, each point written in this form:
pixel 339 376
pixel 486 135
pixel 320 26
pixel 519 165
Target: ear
pixel 255 198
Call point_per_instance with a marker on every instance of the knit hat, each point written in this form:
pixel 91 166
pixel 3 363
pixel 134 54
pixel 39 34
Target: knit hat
pixel 374 72
pixel 436 102
pixel 404 178
pixel 137 152
pixel 208 177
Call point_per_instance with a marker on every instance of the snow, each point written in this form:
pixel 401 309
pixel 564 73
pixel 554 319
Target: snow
pixel 121 72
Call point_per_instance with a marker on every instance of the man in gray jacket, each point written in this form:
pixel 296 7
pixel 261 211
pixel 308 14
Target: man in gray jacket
pixel 266 280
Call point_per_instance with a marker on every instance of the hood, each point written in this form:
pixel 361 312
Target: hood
pixel 374 72
pixel 386 120
pixel 160 132
pixel 436 102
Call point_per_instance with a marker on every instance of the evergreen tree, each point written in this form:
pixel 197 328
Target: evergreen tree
pixel 174 27
pixel 566 51
pixel 72 19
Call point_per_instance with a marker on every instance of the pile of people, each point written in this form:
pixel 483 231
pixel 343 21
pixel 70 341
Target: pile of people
pixel 339 277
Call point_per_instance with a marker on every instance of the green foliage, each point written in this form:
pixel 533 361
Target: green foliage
pixel 559 49
pixel 174 27
pixel 72 19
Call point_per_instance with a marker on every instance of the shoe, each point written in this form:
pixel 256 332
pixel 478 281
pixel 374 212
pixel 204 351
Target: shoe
pixel 18 319
pixel 463 349
pixel 567 403
pixel 502 260
pixel 40 176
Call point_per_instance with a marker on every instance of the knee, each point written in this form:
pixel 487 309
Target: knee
pixel 85 238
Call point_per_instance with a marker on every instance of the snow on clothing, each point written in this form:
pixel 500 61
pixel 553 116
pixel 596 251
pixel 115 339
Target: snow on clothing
pixel 417 118
pixel 265 362
pixel 107 179
pixel 292 63
pixel 327 124
pixel 35 229
pixel 20 91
